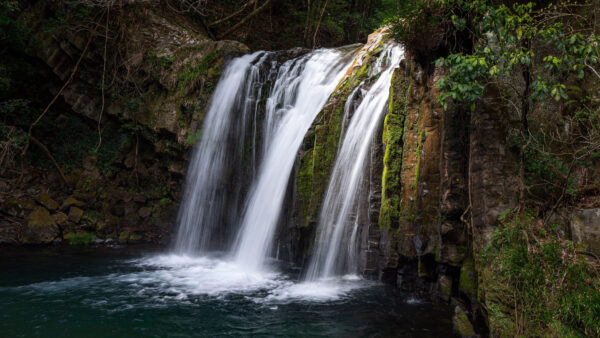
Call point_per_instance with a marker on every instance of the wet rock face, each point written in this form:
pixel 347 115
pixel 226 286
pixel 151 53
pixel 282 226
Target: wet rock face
pixel 424 190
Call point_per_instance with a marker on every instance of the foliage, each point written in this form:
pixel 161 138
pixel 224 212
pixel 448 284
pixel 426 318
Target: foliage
pixel 510 38
pixel 527 262
pixel 12 141
pixel 543 59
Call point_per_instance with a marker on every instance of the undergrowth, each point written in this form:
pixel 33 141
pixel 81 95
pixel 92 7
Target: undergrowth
pixel 535 283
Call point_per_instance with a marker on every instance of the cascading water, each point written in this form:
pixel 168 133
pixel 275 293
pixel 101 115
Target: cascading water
pixel 301 90
pixel 337 230
pixel 224 134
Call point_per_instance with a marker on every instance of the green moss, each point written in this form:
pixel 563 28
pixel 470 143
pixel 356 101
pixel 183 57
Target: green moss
pixel 158 63
pixel 124 236
pixel 462 324
pixel 134 238
pixel 165 201
pixel 193 137
pixel 79 237
pixel 392 138
pixel 90 216
pixel 305 184
pixel 205 68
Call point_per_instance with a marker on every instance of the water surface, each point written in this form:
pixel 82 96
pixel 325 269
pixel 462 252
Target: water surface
pixel 99 292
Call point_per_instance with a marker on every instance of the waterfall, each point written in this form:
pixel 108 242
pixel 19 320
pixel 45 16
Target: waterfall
pixel 206 204
pixel 233 131
pixel 337 230
pixel 300 91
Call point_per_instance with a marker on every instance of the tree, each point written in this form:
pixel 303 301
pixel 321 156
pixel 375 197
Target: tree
pixel 532 54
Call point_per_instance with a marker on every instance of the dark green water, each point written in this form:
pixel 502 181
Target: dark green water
pixel 71 292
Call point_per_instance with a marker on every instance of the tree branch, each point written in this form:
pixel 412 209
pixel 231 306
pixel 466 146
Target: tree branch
pixel 248 17
pixel 60 91
pixel 50 157
pixel 232 15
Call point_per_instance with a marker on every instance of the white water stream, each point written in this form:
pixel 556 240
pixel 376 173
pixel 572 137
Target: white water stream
pixel 201 211
pixel 337 230
pixel 298 95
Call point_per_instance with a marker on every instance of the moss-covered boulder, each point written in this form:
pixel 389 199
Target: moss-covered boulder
pixel 40 228
pixel 71 201
pixel 60 218
pixel 44 199
pixel 75 214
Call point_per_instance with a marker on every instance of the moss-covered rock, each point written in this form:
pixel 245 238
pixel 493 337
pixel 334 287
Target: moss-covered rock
pixel 462 324
pixel 75 214
pixel 393 131
pixel 79 237
pixel 40 227
pixel 71 201
pixel 320 145
pixel 44 199
pixel 60 218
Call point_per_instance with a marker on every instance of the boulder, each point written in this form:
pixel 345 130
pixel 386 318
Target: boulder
pixel 585 229
pixel 44 199
pixel 75 214
pixel 40 217
pixel 40 228
pixel 60 218
pixel 144 212
pixel 72 201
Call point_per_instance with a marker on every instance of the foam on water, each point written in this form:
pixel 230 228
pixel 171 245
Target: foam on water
pixel 324 290
pixel 159 280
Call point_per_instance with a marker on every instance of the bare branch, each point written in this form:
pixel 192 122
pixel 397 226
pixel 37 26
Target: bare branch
pixel 241 22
